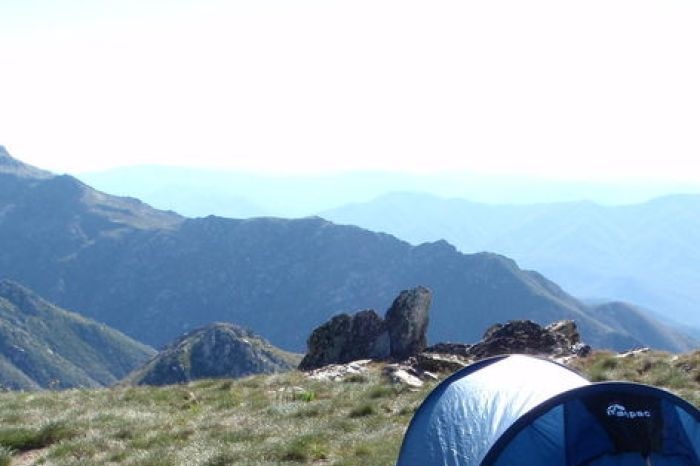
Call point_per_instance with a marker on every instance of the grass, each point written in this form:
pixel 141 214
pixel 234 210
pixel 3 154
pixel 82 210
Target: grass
pixel 5 456
pixel 677 373
pixel 23 438
pixel 261 420
pixel 283 419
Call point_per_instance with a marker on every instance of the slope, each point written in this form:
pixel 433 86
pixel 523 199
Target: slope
pixel 42 346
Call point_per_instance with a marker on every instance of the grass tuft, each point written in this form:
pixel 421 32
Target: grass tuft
pixel 25 439
pixel 306 448
pixel 365 409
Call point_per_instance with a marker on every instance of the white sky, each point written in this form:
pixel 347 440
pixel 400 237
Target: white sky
pixel 565 89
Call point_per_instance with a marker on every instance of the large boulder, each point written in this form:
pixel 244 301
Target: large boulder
pixel 347 338
pixel 365 335
pixel 407 322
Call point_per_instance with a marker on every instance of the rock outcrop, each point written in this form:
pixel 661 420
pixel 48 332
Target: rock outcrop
pixel 216 351
pixel 347 338
pixel 407 322
pixel 526 337
pixel 365 335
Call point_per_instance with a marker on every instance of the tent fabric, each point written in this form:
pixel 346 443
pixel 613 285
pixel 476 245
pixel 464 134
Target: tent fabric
pixel 466 414
pixel 520 410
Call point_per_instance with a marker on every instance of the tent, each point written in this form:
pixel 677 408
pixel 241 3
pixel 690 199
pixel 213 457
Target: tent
pixel 519 410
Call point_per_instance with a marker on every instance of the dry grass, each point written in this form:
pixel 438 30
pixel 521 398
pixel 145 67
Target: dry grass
pixel 677 373
pixel 262 420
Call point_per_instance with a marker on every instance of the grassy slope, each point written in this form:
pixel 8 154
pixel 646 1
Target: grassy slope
pixel 260 420
pixel 58 347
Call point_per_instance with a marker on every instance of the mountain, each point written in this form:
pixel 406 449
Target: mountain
pixel 43 346
pixel 155 275
pixel 643 253
pixel 12 166
pixel 626 317
pixel 215 351
pixel 198 192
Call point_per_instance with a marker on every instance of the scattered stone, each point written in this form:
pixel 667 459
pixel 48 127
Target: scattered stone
pixel 440 363
pixel 337 372
pixel 402 375
pixel 634 352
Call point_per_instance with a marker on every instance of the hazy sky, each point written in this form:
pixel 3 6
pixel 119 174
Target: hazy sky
pixel 574 89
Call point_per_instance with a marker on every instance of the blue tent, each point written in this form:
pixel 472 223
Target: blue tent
pixel 523 411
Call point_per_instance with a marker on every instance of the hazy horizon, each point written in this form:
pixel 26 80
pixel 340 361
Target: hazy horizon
pixel 197 192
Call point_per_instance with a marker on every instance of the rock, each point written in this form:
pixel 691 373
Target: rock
pixel 218 350
pixel 403 374
pixel 582 350
pixel 337 372
pixel 365 335
pixel 402 377
pixel 565 332
pixel 458 349
pixel 407 322
pixel 526 337
pixel 633 353
pixel 347 338
pixel 441 363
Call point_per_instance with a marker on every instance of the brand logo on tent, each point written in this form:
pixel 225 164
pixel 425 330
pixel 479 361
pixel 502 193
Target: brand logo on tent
pixel 617 410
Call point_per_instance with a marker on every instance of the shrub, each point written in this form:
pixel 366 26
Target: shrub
pixel 363 410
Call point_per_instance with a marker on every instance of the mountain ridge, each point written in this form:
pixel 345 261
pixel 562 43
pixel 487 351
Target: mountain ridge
pixel 155 274
pixel 641 253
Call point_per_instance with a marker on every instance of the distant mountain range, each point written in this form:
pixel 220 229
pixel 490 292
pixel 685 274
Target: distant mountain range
pixel 643 253
pixel 199 192
pixel 42 346
pixel 627 248
pixel 155 275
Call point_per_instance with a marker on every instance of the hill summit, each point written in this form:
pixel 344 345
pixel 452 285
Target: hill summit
pixel 214 351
